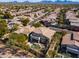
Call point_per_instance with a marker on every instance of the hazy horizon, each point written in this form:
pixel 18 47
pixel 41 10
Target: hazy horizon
pixel 34 0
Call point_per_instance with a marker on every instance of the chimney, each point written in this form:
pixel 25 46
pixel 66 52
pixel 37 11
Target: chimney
pixel 72 38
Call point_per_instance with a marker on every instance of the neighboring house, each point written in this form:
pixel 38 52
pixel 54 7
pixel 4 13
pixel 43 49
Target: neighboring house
pixel 45 31
pixel 70 43
pixel 41 36
pixel 71 16
pixel 51 18
pixel 74 22
pixel 38 38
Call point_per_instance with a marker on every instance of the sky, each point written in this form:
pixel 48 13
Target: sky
pixel 31 0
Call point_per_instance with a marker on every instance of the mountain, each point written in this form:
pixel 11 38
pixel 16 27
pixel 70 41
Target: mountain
pixel 14 2
pixel 45 2
pixel 58 2
pixel 26 2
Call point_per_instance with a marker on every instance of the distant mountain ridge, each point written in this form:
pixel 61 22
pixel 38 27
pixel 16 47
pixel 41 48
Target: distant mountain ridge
pixel 21 2
pixel 58 2
pixel 47 2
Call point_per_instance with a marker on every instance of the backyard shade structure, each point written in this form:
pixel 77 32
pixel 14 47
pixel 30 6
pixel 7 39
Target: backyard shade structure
pixel 38 38
pixel 73 49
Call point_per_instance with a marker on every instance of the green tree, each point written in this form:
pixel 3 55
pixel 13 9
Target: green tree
pixel 1 13
pixel 18 40
pixel 35 15
pixel 62 17
pixel 48 10
pixel 7 15
pixel 3 27
pixel 52 54
pixel 38 24
pixel 15 27
pixel 25 21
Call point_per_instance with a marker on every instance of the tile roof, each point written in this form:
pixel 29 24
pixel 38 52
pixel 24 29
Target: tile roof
pixel 67 39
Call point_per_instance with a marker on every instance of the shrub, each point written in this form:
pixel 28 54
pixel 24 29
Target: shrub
pixel 38 24
pixel 7 15
pixel 3 27
pixel 25 21
pixel 18 40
